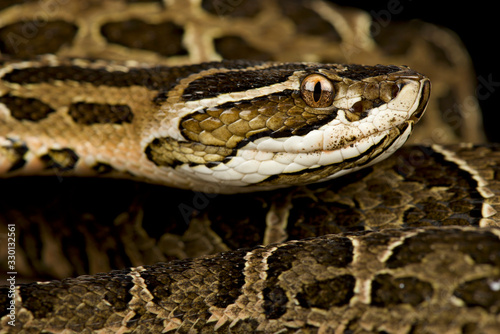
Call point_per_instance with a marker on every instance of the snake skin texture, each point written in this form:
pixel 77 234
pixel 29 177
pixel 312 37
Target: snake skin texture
pixel 396 281
pixel 432 266
pixel 184 32
pixel 408 245
pixel 197 126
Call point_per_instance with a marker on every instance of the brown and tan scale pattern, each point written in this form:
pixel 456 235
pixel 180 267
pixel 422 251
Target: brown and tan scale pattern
pixel 355 283
pixel 187 32
pixel 417 279
pixel 14 152
pixel 111 113
pixel 416 187
pixel 93 113
pixel 228 124
pixel 213 134
pixel 420 278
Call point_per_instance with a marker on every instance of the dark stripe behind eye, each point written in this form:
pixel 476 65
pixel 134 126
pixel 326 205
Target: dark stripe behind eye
pixel 155 78
pixel 228 82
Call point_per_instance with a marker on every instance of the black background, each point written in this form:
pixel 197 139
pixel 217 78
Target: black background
pixel 477 23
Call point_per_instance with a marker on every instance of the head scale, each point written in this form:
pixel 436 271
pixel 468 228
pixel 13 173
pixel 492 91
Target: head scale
pixel 287 124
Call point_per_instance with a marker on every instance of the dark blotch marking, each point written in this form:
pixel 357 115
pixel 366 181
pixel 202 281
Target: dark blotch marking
pixel 171 284
pixel 329 293
pixel 275 298
pixel 15 153
pixel 240 8
pixel 360 72
pixel 28 38
pixel 44 301
pixel 229 271
pixel 470 328
pixel 118 291
pixel 482 247
pixel 102 168
pixel 397 40
pixel 275 301
pixel 62 160
pixel 160 286
pixel 389 291
pixel 329 217
pixel 181 283
pixel 307 21
pixel 333 252
pixel 38 299
pixel 94 113
pixel 151 78
pixel 480 293
pixel 336 253
pixel 164 38
pixel 394 40
pixel 464 202
pixel 26 108
pixel 235 47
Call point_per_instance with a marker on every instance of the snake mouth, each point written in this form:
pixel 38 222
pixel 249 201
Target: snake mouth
pixel 399 131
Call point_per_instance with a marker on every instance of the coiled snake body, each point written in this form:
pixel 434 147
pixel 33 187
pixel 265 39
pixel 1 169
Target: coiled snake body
pixel 238 127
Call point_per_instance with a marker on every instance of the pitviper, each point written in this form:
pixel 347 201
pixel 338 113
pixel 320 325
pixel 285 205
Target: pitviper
pixel 141 114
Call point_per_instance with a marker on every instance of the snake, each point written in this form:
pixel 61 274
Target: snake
pixel 293 211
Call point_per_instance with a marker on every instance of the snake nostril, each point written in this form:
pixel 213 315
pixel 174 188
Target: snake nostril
pixel 396 88
pixel 359 110
pixel 389 90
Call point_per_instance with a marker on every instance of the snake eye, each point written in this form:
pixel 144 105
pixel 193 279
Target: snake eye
pixel 317 91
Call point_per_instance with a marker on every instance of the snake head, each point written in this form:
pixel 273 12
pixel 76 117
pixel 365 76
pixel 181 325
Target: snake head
pixel 277 125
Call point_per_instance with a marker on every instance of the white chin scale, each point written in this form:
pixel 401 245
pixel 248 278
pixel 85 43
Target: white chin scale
pixel 333 143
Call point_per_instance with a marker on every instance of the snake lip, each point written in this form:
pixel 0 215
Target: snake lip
pixel 366 149
pixel 387 119
pixel 424 100
pixel 326 139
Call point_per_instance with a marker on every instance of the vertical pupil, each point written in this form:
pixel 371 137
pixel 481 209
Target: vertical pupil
pixel 317 91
